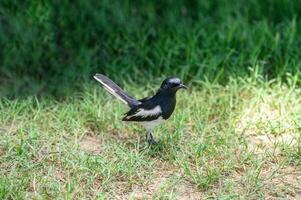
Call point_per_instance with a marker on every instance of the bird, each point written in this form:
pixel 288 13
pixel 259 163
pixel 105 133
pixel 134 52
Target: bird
pixel 149 111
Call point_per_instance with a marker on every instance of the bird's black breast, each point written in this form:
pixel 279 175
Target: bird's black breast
pixel 167 104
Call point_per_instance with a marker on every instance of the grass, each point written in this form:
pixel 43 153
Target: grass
pixel 234 134
pixel 58 43
pixel 238 141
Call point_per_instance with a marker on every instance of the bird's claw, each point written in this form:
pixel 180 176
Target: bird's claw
pixel 152 142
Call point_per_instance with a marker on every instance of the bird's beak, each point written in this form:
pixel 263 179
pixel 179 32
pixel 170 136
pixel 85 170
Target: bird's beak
pixel 183 86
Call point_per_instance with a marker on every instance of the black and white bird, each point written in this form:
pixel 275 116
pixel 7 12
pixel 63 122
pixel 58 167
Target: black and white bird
pixel 150 111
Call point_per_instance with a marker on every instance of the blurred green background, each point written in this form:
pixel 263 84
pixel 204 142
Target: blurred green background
pixel 54 47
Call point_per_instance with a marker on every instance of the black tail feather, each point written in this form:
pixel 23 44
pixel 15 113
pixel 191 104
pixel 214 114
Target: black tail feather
pixel 115 90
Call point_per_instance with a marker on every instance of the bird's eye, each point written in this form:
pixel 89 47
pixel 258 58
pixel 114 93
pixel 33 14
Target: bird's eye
pixel 175 84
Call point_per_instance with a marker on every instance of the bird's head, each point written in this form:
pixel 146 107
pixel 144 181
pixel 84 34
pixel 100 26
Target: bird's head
pixel 172 84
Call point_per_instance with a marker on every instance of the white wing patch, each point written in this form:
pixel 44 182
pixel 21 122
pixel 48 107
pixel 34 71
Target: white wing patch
pixel 110 90
pixel 146 113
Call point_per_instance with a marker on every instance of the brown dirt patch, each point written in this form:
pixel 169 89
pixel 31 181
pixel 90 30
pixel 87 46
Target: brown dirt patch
pixel 265 123
pixel 285 181
pixel 260 143
pixel 59 175
pixel 277 183
pixel 2 151
pixel 91 145
pixel 11 129
pixel 167 179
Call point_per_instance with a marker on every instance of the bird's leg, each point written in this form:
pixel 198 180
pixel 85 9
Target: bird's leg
pixel 150 138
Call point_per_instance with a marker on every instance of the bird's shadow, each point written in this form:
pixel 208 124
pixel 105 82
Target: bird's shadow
pixel 164 149
pixel 136 141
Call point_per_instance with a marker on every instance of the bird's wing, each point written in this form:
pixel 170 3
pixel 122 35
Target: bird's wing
pixel 145 99
pixel 115 90
pixel 142 113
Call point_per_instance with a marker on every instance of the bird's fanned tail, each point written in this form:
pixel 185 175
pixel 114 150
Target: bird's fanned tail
pixel 116 91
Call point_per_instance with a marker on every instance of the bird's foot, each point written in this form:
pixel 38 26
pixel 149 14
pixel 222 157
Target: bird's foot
pixel 148 144
pixel 152 142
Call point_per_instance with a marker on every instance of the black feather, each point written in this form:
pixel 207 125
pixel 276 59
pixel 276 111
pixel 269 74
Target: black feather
pixel 163 98
pixel 106 82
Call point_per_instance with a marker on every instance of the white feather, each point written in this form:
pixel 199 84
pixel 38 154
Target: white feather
pixel 149 125
pixel 146 113
pixel 110 90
